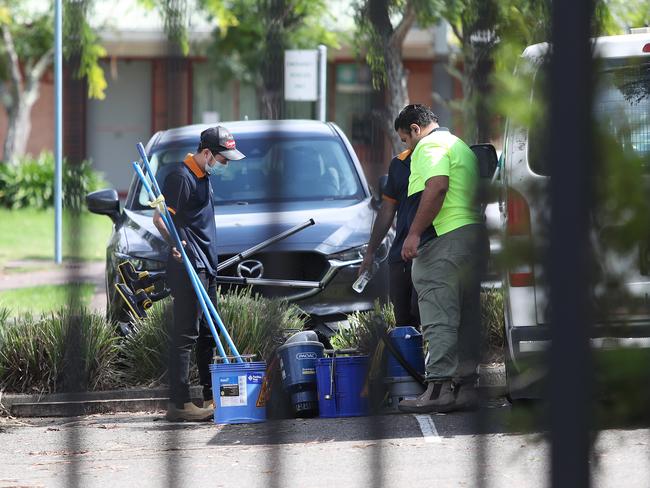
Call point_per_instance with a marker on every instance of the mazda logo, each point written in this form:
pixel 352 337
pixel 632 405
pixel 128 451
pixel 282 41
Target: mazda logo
pixel 250 269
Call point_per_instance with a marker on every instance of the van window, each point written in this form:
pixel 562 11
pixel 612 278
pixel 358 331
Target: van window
pixel 621 107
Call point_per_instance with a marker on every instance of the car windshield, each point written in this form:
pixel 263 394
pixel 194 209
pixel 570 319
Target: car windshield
pixel 276 169
pixel 621 108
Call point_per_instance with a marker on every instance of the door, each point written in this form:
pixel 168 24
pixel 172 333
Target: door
pixel 122 119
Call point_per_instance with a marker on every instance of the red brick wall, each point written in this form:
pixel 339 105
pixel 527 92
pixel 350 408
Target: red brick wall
pixel 171 93
pixel 420 81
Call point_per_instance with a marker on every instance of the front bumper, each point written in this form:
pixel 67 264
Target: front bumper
pixel 332 302
pixel 526 341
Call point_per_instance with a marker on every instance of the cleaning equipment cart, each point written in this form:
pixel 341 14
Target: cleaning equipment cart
pixel 342 384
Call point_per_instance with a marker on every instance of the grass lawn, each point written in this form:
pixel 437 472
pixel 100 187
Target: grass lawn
pixel 28 234
pixel 40 299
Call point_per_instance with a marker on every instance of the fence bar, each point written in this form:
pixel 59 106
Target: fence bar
pixel 570 154
pixel 58 128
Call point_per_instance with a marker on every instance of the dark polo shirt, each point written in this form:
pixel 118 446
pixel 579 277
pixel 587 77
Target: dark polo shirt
pixel 396 191
pixel 188 195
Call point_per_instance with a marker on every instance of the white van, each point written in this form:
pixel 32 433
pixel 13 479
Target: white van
pixel 622 106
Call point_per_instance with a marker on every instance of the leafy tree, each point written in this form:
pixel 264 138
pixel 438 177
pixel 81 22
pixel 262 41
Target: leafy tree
pixel 382 26
pixel 250 38
pixel 621 15
pixel 477 24
pixel 249 45
pixel 26 53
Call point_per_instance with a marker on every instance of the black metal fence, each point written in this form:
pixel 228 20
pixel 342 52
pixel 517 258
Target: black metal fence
pixel 570 419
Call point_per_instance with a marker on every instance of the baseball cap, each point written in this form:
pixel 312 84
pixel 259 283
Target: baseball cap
pixel 219 140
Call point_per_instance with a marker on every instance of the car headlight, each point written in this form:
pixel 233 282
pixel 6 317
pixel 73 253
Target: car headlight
pixel 353 254
pixel 142 264
pixel 357 253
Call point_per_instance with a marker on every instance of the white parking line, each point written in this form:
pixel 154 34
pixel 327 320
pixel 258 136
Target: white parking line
pixel 428 428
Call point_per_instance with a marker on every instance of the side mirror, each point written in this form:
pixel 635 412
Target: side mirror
pixel 378 193
pixel 104 202
pixel 487 159
pixel 487 163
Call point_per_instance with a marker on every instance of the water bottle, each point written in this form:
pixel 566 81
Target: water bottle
pixel 365 277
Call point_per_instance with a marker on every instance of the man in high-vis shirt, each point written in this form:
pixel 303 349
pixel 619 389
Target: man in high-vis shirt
pixel 446 241
pixel 393 207
pixel 189 198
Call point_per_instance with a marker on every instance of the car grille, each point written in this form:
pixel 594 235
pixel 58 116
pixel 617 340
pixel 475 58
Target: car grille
pixel 304 266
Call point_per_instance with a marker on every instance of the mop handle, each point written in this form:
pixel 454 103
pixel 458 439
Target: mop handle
pixel 211 307
pixel 248 252
pixel 186 262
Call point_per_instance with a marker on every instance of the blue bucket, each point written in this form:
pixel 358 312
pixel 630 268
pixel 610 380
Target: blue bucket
pixel 238 394
pixel 342 386
pixel 408 342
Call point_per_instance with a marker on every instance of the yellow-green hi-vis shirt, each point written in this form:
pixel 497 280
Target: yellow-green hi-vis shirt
pixel 443 154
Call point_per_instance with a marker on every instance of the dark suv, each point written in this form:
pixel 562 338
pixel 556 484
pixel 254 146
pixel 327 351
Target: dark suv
pixel 294 171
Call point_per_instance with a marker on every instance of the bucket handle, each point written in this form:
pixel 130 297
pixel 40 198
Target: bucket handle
pixel 244 357
pixel 331 394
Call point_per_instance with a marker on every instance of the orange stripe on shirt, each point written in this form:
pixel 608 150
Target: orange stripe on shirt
pixel 403 155
pixel 390 199
pixel 171 210
pixel 190 162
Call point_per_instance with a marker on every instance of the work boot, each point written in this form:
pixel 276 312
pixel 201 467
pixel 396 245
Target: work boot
pixel 466 396
pixel 438 397
pixel 208 404
pixel 189 413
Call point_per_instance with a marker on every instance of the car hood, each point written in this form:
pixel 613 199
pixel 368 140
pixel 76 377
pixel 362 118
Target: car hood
pixel 339 225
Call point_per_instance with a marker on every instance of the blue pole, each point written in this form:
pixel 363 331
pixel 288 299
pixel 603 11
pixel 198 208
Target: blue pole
pixel 188 267
pixel 58 128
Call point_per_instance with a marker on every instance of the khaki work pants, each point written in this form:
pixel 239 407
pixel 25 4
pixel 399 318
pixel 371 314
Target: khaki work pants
pixel 447 277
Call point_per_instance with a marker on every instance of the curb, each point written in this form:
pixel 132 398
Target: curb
pixel 492 384
pixel 89 403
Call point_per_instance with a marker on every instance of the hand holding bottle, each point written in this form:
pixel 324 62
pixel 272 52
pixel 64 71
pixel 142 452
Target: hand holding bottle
pixel 367 270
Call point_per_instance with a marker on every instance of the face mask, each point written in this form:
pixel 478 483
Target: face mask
pixel 219 169
pixel 213 169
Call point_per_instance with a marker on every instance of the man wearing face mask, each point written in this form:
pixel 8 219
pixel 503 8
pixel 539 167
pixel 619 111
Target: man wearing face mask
pixel 189 198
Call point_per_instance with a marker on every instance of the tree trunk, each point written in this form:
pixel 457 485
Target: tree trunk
pixel 19 124
pixel 272 69
pixel 397 95
pixel 479 41
pixel 392 39
pixel 23 93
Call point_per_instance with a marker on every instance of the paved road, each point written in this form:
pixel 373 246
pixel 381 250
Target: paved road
pixel 142 450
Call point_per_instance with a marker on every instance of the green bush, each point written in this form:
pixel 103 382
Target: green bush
pixel 30 183
pixel 362 330
pixel 143 353
pixel 492 317
pixel 34 353
pixel 255 324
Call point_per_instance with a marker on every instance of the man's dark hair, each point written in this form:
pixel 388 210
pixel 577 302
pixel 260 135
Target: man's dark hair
pixel 415 114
